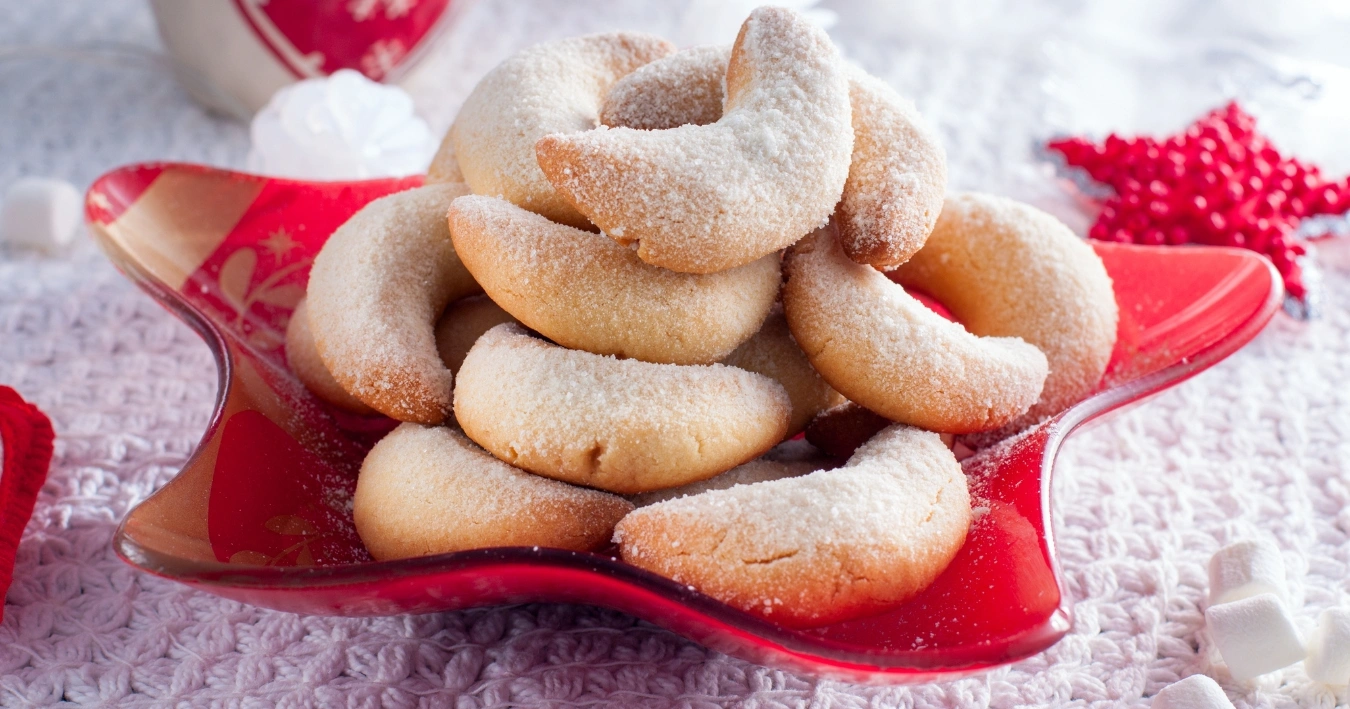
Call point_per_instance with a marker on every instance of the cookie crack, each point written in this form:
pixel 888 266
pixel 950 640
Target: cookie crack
pixel 781 556
pixel 593 456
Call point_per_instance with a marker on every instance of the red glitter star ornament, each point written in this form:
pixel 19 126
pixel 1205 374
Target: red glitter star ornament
pixel 1219 182
pixel 25 455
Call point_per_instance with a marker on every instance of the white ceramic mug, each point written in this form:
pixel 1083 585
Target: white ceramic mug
pixel 232 55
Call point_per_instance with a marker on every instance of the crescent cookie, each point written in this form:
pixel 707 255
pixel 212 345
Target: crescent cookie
pixel 898 170
pixel 303 357
pixel 586 292
pixel 881 348
pixel 553 87
pixel 896 181
pixel 377 288
pixel 616 424
pixel 1007 269
pixel 825 547
pixel 429 490
pixel 773 353
pixel 462 324
pixel 702 199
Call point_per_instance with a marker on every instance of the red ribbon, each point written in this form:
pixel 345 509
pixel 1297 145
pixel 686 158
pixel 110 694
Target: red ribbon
pixel 27 436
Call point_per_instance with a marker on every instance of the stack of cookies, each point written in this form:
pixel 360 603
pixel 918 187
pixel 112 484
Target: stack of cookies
pixel 635 274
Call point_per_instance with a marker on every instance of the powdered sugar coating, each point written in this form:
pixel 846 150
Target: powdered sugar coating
pixel 553 87
pixel 617 424
pixel 817 549
pixel 785 460
pixel 702 199
pixel 1007 269
pixel 897 173
pixel 375 292
pixel 303 358
pixel 586 292
pixel 773 353
pixel 685 88
pixel 896 180
pixel 459 326
pixel 429 490
pixel 883 349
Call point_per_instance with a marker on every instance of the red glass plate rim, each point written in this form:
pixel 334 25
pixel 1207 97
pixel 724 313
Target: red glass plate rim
pixel 1028 643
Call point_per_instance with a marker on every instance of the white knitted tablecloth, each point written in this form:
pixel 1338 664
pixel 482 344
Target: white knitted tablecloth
pixel 1259 446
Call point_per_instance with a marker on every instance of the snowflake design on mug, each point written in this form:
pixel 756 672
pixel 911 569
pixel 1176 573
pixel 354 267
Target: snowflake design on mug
pixel 363 10
pixel 382 57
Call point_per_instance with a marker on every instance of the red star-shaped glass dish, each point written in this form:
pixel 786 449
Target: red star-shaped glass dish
pixel 1219 182
pixel 261 512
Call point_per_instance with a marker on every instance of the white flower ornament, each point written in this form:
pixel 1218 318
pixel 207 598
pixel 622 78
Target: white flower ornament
pixel 341 127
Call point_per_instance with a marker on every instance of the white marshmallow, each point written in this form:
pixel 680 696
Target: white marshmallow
pixel 1329 648
pixel 40 213
pixel 1194 692
pixel 1254 635
pixel 1245 569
